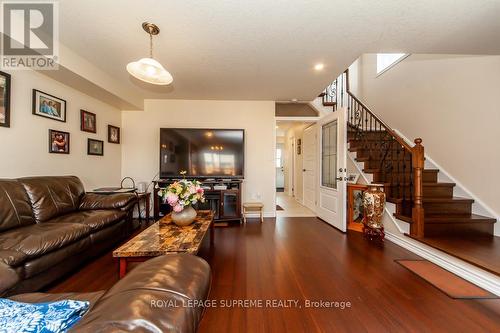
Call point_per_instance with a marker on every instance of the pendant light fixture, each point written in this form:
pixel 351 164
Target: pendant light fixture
pixel 148 69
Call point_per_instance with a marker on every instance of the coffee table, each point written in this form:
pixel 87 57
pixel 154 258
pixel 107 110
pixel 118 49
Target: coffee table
pixel 164 237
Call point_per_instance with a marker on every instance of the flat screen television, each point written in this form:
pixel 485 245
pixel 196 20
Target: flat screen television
pixel 202 153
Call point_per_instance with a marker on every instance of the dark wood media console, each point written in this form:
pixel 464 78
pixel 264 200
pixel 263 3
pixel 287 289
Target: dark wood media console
pixel 226 203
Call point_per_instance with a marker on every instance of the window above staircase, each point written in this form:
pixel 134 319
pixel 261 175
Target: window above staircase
pixel 386 61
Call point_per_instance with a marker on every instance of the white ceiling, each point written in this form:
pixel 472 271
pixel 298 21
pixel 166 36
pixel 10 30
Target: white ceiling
pixel 266 50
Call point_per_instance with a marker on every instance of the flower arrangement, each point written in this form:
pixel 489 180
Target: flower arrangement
pixel 182 193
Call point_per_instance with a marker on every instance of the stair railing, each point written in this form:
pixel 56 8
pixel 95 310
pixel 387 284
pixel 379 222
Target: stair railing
pixel 398 165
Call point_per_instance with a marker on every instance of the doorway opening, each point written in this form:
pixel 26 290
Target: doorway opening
pixel 291 154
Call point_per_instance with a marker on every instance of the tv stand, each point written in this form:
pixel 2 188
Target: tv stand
pixel 223 196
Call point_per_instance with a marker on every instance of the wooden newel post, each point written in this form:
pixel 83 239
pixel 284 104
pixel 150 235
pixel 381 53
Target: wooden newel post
pixel 417 227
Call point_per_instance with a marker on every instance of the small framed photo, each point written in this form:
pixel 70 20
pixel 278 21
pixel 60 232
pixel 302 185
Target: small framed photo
pixel 95 147
pixel 352 178
pixel 58 142
pixel 88 121
pixel 48 106
pixel 4 99
pixel 113 134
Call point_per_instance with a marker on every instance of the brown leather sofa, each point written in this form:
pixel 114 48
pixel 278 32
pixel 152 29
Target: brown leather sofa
pixel 49 226
pixel 164 294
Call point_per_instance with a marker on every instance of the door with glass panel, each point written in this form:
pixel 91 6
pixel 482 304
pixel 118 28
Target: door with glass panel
pixel 331 202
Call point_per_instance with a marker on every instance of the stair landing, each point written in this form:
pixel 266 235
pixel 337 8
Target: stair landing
pixel 480 251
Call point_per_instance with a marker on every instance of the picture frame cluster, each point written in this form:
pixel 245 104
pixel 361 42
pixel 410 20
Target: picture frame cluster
pixel 52 107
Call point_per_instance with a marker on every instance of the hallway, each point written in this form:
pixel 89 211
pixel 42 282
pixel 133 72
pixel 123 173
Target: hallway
pixel 291 207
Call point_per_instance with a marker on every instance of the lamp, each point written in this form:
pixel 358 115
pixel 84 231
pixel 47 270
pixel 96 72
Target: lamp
pixel 148 69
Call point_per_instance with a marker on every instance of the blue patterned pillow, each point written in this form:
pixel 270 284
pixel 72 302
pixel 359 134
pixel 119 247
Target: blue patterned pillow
pixel 40 317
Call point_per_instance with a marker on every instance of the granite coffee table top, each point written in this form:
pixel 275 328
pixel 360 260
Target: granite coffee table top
pixel 165 237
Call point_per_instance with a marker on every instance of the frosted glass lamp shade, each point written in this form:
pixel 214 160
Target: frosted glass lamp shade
pixel 150 71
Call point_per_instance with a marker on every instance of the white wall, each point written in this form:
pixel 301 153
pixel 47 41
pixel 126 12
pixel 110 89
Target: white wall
pixel 140 145
pixel 452 103
pixel 24 146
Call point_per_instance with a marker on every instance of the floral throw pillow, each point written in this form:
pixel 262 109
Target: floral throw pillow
pixel 40 317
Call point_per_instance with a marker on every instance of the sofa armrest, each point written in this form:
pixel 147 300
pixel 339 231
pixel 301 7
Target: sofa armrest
pixel 123 201
pixel 164 294
pixel 8 278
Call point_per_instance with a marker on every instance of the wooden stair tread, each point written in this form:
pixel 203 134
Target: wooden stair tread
pixel 424 184
pixel 439 184
pixel 472 218
pixel 480 251
pixel 403 218
pixel 449 219
pixel 448 200
pixel 329 103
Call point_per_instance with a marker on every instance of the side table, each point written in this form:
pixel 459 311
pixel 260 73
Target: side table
pixel 146 198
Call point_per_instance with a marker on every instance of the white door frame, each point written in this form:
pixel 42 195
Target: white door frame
pixel 291 167
pixel 313 128
pixel 276 120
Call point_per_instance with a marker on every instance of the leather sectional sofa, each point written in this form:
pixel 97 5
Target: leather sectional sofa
pixel 163 294
pixel 50 226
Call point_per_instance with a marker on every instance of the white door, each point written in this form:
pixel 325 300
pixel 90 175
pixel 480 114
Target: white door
pixel 331 205
pixel 309 166
pixel 280 176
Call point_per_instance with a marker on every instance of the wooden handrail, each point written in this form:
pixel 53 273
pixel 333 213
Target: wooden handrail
pixel 365 123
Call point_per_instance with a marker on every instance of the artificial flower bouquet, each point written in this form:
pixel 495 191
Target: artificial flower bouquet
pixel 182 193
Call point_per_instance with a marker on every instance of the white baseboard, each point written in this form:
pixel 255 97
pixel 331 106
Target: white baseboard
pixel 465 270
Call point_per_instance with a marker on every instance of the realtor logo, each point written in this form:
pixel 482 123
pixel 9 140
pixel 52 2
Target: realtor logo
pixel 30 35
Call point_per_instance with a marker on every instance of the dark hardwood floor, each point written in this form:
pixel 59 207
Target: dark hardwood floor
pixel 306 259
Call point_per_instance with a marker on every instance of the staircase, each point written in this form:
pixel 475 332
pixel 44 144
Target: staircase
pixel 421 200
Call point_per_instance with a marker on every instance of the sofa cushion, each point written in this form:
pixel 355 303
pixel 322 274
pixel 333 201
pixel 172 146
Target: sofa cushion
pixel 38 265
pixel 15 206
pixel 95 219
pixel 107 201
pixel 38 239
pixel 53 196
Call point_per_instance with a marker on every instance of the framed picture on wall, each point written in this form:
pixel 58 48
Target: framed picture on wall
pixel 113 134
pixel 4 99
pixel 58 142
pixel 88 121
pixel 48 106
pixel 95 147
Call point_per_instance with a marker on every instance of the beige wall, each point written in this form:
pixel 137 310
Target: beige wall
pixel 452 103
pixel 140 151
pixel 24 146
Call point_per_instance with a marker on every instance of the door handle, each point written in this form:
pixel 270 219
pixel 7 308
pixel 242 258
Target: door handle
pixel 304 170
pixel 340 179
